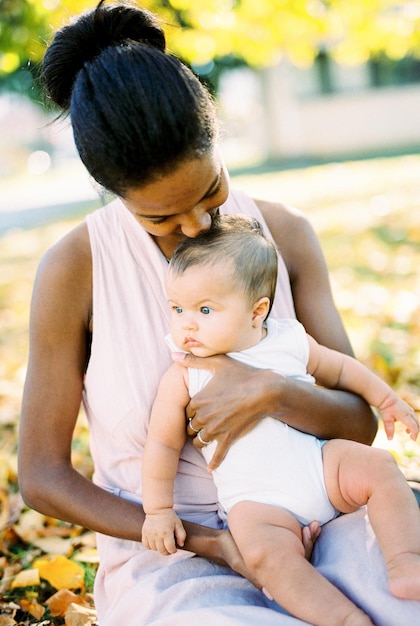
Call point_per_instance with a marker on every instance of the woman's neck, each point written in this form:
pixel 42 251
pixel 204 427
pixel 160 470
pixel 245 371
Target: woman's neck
pixel 168 244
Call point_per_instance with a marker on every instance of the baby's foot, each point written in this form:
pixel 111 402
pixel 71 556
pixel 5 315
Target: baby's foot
pixel 404 576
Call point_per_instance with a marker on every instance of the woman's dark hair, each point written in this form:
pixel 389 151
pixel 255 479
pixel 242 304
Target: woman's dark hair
pixel 136 111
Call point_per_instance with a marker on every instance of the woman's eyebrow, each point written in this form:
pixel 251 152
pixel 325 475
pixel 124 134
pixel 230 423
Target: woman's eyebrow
pixel 212 187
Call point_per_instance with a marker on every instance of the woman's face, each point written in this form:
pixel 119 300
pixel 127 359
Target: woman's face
pixel 180 204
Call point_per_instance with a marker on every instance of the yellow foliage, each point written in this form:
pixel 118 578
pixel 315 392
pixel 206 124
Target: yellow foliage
pixel 60 572
pixel 26 578
pixel 9 62
pixel 264 30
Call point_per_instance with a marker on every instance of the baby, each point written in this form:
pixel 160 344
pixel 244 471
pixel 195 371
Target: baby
pixel 274 479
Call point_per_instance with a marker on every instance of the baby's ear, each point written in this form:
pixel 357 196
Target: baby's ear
pixel 260 311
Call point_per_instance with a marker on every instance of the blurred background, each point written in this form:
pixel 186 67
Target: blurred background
pixel 319 103
pixel 296 82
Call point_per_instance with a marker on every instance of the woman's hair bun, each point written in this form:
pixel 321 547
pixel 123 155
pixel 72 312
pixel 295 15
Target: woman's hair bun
pixel 85 38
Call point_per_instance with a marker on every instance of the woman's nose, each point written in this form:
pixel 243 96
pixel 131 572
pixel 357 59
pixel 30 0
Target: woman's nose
pixel 198 220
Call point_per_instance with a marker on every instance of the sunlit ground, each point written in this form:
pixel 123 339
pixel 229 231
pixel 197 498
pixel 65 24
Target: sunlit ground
pixel 367 215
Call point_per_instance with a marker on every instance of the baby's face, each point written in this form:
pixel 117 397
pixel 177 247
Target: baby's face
pixel 208 315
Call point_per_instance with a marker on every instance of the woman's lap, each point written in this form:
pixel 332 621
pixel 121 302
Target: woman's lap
pixel 349 556
pixel 143 588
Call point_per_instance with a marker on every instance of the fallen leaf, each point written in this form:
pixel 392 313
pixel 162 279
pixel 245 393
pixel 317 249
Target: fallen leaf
pixel 7 613
pixel 4 508
pixel 29 524
pixel 9 571
pixel 60 602
pixel 6 620
pixel 88 555
pixel 32 606
pixel 80 616
pixel 26 578
pixel 54 545
pixel 86 540
pixel 60 572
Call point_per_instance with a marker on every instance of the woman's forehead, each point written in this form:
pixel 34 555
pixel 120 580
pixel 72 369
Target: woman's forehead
pixel 177 191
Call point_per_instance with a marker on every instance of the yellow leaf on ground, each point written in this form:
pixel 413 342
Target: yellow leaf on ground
pixel 60 602
pixel 60 572
pixel 80 616
pixel 4 508
pixel 32 607
pixel 26 578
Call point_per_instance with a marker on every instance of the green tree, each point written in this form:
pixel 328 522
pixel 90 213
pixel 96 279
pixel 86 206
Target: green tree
pixel 255 32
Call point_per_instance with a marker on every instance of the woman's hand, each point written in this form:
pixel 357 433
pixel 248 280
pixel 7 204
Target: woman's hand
pixel 239 396
pixel 231 404
pixel 233 559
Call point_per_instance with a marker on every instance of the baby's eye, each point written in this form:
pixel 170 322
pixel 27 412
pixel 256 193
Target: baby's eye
pixel 205 310
pixel 178 309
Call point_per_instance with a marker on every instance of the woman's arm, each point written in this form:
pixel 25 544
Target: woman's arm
pixel 308 273
pixel 60 319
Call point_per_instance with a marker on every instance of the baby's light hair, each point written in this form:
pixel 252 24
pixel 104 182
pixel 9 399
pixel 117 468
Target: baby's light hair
pixel 240 239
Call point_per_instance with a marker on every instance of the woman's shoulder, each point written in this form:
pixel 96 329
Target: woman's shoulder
pixel 292 232
pixel 281 217
pixel 65 273
pixel 70 253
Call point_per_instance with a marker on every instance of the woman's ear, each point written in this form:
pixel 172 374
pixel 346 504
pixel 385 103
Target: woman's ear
pixel 260 311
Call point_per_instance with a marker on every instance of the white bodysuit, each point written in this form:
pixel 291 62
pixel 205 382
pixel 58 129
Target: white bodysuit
pixel 273 463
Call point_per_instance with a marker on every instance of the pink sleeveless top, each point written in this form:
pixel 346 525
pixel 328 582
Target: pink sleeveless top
pixel 129 352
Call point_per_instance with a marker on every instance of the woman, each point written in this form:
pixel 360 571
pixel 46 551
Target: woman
pixel 145 129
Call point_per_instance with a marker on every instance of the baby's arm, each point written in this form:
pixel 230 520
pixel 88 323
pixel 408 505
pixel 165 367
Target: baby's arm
pixel 165 439
pixel 339 371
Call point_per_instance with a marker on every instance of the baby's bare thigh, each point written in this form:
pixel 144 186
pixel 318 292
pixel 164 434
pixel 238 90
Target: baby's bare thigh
pixel 350 469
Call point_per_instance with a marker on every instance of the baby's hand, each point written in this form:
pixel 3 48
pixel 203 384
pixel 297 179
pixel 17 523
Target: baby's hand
pixel 163 531
pixel 400 411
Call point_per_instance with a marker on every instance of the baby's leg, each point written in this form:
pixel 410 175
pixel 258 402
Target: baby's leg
pixel 356 475
pixel 270 542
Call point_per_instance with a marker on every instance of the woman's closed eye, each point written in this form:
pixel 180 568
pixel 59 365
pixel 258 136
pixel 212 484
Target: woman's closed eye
pixel 155 220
